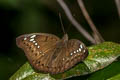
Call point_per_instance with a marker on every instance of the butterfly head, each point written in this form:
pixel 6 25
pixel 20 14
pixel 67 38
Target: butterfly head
pixel 65 38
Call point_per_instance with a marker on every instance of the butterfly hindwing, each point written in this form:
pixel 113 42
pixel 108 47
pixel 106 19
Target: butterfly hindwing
pixel 68 54
pixel 77 52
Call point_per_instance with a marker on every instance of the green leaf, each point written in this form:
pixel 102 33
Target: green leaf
pixel 27 73
pixel 38 76
pixel 117 77
pixel 106 73
pixel 102 55
pixel 23 72
pixel 99 57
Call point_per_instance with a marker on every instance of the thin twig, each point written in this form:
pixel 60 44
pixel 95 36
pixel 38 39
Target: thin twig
pixel 96 34
pixel 118 6
pixel 75 23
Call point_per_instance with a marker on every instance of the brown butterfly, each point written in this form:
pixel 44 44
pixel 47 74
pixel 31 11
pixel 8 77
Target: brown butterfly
pixel 50 54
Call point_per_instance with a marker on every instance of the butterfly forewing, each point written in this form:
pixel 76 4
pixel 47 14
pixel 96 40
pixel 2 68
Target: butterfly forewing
pixel 37 45
pixel 47 53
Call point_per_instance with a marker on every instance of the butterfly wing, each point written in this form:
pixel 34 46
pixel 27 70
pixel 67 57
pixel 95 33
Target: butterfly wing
pixel 69 54
pixel 38 47
pixel 76 52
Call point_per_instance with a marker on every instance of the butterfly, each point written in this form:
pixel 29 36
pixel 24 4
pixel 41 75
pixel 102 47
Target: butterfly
pixel 49 54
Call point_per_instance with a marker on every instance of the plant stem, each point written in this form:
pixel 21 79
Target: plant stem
pixel 75 23
pixel 118 6
pixel 98 38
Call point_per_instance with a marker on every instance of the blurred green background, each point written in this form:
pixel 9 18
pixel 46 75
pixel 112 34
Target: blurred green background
pixel 19 17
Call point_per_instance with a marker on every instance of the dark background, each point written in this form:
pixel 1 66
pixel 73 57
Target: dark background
pixel 29 16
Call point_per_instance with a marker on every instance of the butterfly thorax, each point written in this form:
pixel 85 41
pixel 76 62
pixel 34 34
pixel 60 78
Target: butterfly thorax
pixel 65 38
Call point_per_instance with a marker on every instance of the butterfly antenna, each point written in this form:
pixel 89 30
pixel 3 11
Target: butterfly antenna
pixel 62 23
pixel 69 26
